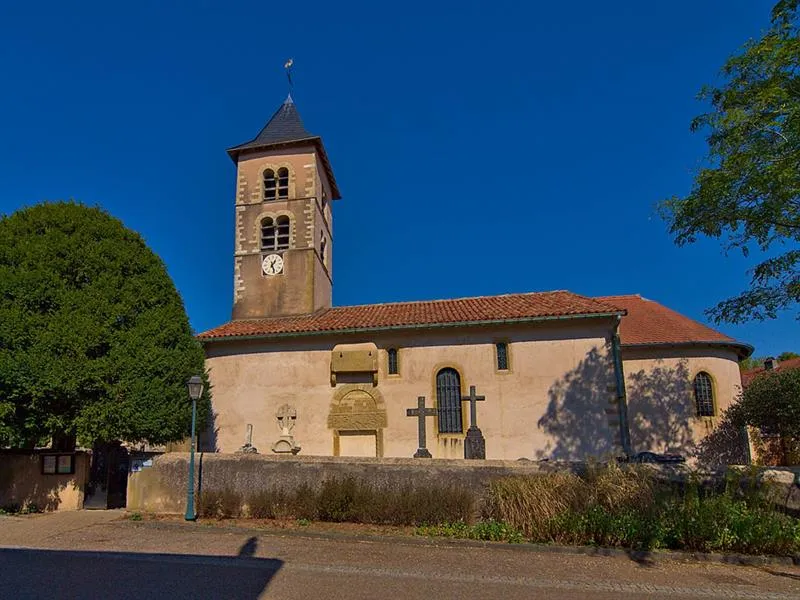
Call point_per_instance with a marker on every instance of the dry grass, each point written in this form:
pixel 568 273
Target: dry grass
pixel 613 486
pixel 357 501
pixel 532 504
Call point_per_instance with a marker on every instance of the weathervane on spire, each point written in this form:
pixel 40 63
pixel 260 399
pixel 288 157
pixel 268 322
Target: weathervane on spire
pixel 288 66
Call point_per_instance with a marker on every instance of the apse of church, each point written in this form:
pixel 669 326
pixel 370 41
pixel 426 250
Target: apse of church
pixel 293 374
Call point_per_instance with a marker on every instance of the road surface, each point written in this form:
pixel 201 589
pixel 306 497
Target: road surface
pixel 97 555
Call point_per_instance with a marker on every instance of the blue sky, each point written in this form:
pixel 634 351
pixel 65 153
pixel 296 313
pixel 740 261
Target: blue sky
pixel 488 147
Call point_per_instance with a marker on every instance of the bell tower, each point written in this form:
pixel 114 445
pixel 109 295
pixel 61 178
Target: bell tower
pixel 284 234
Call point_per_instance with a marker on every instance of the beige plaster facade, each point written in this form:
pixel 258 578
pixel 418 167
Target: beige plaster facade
pixel 558 400
pixel 559 374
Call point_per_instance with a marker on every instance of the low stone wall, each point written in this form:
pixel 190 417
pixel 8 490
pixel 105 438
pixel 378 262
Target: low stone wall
pixel 161 487
pixel 23 485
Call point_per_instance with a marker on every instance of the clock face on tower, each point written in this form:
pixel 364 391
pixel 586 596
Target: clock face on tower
pixel 272 264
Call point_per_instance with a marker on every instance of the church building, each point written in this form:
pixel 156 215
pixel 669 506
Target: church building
pixel 556 375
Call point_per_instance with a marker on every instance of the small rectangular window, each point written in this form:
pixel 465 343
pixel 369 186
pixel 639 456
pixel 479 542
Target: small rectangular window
pixel 392 353
pixel 502 356
pixel 58 464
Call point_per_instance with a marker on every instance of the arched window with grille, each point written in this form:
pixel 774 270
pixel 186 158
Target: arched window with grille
pixel 275 234
pixel 704 395
pixel 448 400
pixel 391 359
pixel 270 185
pixel 283 183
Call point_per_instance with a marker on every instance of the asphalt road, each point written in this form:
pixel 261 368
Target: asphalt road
pixel 147 560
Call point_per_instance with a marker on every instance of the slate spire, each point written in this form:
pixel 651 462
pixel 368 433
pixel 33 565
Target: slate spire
pixel 284 126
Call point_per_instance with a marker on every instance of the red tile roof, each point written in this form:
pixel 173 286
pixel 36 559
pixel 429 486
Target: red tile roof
pixel 496 309
pixel 750 374
pixel 649 322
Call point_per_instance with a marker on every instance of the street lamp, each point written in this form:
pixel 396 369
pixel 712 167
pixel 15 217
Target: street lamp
pixel 195 387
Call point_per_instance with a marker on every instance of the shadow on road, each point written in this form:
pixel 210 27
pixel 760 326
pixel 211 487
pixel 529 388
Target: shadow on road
pixel 26 573
pixel 248 549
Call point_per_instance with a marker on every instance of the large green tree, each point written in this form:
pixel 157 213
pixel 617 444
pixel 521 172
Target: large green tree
pixel 749 192
pixel 95 344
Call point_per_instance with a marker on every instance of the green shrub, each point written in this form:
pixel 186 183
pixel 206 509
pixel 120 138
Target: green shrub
pixel 492 531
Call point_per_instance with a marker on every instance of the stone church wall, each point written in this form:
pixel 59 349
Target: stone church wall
pixel 556 400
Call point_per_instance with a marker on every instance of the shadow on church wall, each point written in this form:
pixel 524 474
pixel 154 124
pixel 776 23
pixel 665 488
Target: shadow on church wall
pixel 208 437
pixel 582 421
pixel 660 409
pixel 575 419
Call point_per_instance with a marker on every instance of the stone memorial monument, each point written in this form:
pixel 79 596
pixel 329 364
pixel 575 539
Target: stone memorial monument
pixel 474 443
pixel 248 447
pixel 286 416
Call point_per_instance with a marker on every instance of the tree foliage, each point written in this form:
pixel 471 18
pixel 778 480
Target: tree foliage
pixel 771 402
pixel 749 193
pixel 95 343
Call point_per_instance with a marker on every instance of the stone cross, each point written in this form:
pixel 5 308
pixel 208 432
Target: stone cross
pixel 473 410
pixel 474 443
pixel 421 412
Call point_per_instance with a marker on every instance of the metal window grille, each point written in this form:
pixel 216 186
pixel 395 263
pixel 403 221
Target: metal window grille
pixel 502 356
pixel 283 182
pixel 392 353
pixel 704 395
pixel 270 184
pixel 448 401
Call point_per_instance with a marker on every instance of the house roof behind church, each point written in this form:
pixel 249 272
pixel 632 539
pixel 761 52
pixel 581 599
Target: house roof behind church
pixel 508 308
pixel 784 365
pixel 650 323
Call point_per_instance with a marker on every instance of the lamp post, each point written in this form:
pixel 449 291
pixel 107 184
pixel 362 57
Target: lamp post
pixel 195 387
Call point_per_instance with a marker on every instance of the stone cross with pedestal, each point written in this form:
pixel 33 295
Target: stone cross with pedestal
pixel 474 443
pixel 421 412
pixel 286 417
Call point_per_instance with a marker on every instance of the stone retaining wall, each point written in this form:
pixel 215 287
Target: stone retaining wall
pixel 161 488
